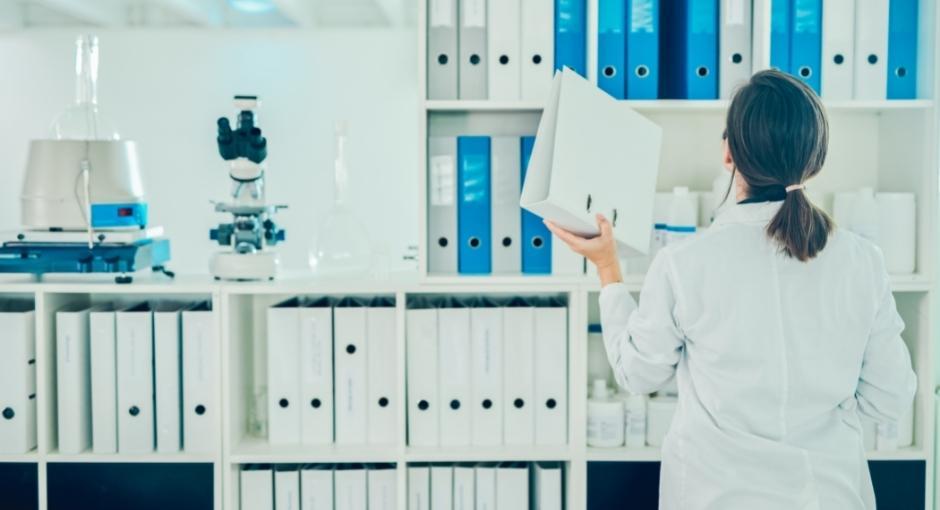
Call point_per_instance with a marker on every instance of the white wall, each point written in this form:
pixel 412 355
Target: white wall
pixel 165 89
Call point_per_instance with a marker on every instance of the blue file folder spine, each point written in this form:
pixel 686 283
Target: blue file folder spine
pixel 902 49
pixel 611 47
pixel 570 35
pixel 642 68
pixel 536 239
pixel 690 47
pixel 780 34
pixel 806 45
pixel 474 215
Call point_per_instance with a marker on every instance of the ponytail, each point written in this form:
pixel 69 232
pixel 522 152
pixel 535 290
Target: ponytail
pixel 800 228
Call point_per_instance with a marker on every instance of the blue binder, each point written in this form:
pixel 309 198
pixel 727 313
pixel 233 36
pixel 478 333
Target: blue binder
pixel 902 49
pixel 806 43
pixel 780 34
pixel 536 239
pixel 570 35
pixel 474 216
pixel 690 49
pixel 611 47
pixel 642 49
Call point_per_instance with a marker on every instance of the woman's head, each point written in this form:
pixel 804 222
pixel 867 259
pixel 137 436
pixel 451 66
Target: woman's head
pixel 777 137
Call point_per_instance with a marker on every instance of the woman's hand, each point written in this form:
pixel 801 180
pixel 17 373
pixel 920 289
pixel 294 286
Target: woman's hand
pixel 600 250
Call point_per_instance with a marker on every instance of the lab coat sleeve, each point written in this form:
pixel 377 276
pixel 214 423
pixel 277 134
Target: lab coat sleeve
pixel 887 382
pixel 643 341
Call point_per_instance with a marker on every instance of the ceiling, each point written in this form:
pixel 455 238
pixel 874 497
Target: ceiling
pixel 26 14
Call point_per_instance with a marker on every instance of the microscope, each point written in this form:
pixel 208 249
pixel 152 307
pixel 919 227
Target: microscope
pixel 252 228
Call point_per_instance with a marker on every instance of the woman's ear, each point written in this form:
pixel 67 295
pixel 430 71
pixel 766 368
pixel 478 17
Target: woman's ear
pixel 726 155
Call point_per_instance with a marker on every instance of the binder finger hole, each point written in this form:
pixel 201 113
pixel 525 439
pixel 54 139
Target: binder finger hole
pixel 283 403
pixel 537 242
pixel 442 59
pixel 805 72
pixel 613 218
pixel 642 71
pixel 610 71
pixel 503 59
pixel 536 59
pixel 507 242
pixel 315 403
pixel 423 405
pixel 518 403
pixel 474 242
pixel 442 242
pixel 589 201
pixel 455 404
pixel 702 71
pixel 872 59
pixel 133 411
pixel 487 403
pixel 351 349
pixel 8 413
pixel 551 403
pixel 838 58
pixel 474 59
pixel 383 402
pixel 900 72
pixel 200 410
pixel 737 58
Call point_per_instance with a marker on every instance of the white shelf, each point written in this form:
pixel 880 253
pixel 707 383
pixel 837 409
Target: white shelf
pixel 20 457
pixel 181 458
pixel 653 454
pixel 488 454
pixel 257 450
pixel 671 105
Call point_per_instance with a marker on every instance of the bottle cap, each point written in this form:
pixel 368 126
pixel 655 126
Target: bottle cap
pixel 600 389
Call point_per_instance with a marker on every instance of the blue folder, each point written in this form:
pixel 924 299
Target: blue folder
pixel 902 49
pixel 780 34
pixel 806 43
pixel 571 35
pixel 536 239
pixel 474 216
pixel 642 49
pixel 611 47
pixel 690 49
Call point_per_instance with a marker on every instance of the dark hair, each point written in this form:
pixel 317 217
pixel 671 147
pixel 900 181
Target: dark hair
pixel 778 136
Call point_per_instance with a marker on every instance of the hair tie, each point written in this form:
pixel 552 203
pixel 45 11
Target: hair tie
pixel 794 187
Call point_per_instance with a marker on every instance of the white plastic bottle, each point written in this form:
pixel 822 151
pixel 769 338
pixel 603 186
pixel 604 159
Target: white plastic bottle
pixel 864 219
pixel 683 215
pixel 659 417
pixel 634 418
pixel 605 418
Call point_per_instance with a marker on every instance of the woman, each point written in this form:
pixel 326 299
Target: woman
pixel 779 327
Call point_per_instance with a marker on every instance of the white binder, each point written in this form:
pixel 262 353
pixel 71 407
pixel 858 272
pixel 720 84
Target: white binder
pixel 504 49
pixel 419 488
pixel 316 488
pixel 166 347
pixel 351 358
pixel 838 49
pixel 257 489
pixel 103 380
pixel 200 380
pixel 472 49
pixel 564 261
pixel 519 376
pixel 464 488
pixel 442 488
pixel 135 379
pixel 735 46
pixel 18 366
pixel 442 205
pixel 538 49
pixel 383 400
pixel 287 489
pixel 485 487
pixel 350 489
pixel 551 376
pixel 383 492
pixel 871 49
pixel 442 49
pixel 505 163
pixel 455 389
pixel 316 373
pixel 486 345
pixel 284 373
pixel 73 379
pixel 548 486
pixel 576 169
pixel 512 485
pixel 423 391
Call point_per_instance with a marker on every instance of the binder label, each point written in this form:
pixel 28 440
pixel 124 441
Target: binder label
pixel 642 17
pixel 805 18
pixel 703 18
pixel 441 13
pixel 442 180
pixel 734 12
pixel 474 13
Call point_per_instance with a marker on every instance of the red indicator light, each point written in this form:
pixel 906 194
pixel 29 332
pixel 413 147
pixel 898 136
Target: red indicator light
pixel 125 212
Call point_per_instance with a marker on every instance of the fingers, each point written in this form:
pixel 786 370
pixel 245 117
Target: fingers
pixel 604 226
pixel 570 239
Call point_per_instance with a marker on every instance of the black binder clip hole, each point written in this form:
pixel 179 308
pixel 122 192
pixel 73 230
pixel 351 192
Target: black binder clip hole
pixel 737 58
pixel 507 242
pixel 589 201
pixel 900 72
pixel 315 403
pixel 474 242
pixel 8 413
pixel 487 403
pixel 442 59
pixel 383 402
pixel 610 71
pixel 550 403
pixel 806 72
pixel 536 59
pixel 873 59
pixel 423 405
pixel 442 242
pixel 283 403
pixel 200 410
pixel 702 71
pixel 474 59
pixel 838 58
pixel 504 59
pixel 134 411
pixel 351 349
pixel 642 71
pixel 455 404
pixel 518 403
pixel 537 242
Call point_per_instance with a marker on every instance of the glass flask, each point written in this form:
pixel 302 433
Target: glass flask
pixel 83 120
pixel 341 245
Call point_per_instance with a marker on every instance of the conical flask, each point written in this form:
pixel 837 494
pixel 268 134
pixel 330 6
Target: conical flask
pixel 83 120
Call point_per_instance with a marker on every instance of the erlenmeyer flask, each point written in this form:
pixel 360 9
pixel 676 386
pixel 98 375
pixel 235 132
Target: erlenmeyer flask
pixel 82 120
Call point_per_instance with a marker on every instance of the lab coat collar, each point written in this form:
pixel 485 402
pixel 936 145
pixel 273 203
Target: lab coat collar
pixel 759 213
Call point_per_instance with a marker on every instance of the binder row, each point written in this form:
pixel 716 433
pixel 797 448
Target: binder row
pixel 475 224
pixel 318 487
pixel 487 372
pixel 135 379
pixel 490 486
pixel 18 366
pixel 848 49
pixel 330 378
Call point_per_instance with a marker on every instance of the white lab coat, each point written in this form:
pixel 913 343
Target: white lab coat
pixel 774 359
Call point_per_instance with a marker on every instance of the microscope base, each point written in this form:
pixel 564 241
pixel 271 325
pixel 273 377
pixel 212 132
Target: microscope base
pixel 244 267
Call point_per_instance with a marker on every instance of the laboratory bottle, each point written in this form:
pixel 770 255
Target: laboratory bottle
pixel 897 233
pixel 634 418
pixel 683 215
pixel 864 219
pixel 659 413
pixel 605 418
pixel 83 120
